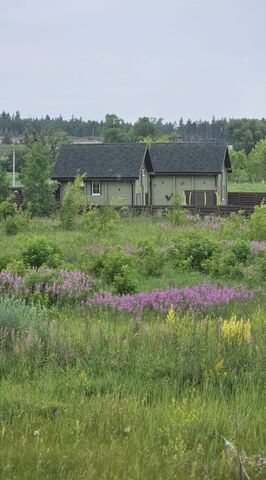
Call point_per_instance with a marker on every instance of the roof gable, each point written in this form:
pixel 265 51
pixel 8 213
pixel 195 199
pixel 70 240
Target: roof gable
pixel 179 158
pixel 101 161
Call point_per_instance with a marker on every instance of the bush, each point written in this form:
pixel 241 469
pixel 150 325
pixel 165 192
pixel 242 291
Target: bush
pixel 241 250
pixel 116 269
pixel 4 260
pixel 8 208
pixel 224 264
pixel 14 225
pixel 151 260
pixel 102 219
pixel 258 223
pixel 39 251
pixel 177 215
pixel 192 250
pixel 16 267
pixel 125 281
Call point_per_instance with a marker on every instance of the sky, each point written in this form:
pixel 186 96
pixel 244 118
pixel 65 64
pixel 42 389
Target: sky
pixel 157 58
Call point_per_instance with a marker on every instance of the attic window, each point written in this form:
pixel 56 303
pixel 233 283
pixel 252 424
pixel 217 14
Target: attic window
pixel 96 187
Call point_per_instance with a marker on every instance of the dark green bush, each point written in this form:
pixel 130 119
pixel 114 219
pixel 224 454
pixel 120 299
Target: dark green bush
pixel 4 260
pixel 151 261
pixel 14 225
pixel 224 264
pixel 241 250
pixel 8 208
pixel 39 251
pixel 125 281
pixel 192 250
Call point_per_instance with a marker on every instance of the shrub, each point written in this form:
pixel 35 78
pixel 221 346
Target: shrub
pixel 14 225
pixel 102 219
pixel 4 260
pixel 72 201
pixel 151 260
pixel 125 281
pixel 8 208
pixel 16 267
pixel 224 264
pixel 241 249
pixel 39 251
pixel 176 215
pixel 192 250
pixel 258 223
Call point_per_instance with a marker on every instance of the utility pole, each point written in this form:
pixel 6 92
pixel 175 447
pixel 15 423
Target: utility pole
pixel 14 169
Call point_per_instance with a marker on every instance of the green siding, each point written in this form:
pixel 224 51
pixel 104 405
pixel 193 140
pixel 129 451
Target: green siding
pixel 170 185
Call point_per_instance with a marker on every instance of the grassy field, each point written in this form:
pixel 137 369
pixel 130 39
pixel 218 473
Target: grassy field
pixel 91 391
pixel 247 187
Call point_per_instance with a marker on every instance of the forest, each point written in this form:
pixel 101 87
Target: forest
pixel 241 133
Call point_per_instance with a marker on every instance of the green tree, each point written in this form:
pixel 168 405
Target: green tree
pixel 115 130
pixel 4 184
pixel 144 128
pixel 35 177
pixel 73 201
pixel 240 168
pixel 257 161
pixel 7 140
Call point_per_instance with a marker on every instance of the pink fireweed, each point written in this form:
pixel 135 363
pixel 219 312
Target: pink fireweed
pixel 193 299
pixel 256 247
pixel 11 284
pixel 62 286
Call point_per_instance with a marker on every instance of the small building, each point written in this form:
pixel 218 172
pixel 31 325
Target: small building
pixel 110 171
pixel 197 172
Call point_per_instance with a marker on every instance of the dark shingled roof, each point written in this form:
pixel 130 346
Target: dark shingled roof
pixel 101 160
pixel 190 158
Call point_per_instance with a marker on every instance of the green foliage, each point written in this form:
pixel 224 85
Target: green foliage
pixel 176 215
pixel 38 251
pixel 16 267
pixel 240 166
pixel 8 208
pixel 192 250
pixel 125 281
pixel 223 264
pixel 4 260
pixel 4 184
pixel 257 161
pixel 114 129
pixel 73 201
pixel 241 250
pixel 151 261
pixel 258 223
pixel 144 128
pixel 15 224
pixel 101 220
pixel 35 177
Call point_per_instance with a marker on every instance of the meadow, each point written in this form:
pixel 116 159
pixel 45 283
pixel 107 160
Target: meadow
pixel 132 347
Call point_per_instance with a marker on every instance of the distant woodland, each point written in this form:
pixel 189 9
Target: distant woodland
pixel 247 137
pixel 241 133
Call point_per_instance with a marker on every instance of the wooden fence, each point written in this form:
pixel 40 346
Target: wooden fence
pixel 246 199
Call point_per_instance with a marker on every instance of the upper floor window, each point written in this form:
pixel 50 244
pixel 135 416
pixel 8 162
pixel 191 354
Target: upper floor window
pixel 96 187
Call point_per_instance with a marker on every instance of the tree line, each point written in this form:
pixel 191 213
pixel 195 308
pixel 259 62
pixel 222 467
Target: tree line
pixel 242 134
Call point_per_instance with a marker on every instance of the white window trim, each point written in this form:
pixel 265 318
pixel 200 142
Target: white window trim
pixel 92 192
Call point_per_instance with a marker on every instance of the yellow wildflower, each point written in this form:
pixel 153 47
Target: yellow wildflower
pixel 236 330
pixel 170 317
pixel 219 364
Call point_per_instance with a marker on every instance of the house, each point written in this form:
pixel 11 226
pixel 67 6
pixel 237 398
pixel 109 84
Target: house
pixel 195 171
pixel 110 171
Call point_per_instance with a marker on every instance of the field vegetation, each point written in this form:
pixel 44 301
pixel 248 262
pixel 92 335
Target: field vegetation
pixel 132 347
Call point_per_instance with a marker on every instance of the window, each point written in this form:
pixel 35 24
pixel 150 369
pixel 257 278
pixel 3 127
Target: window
pixel 96 187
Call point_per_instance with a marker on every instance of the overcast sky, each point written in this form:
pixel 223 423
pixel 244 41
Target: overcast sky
pixel 158 58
